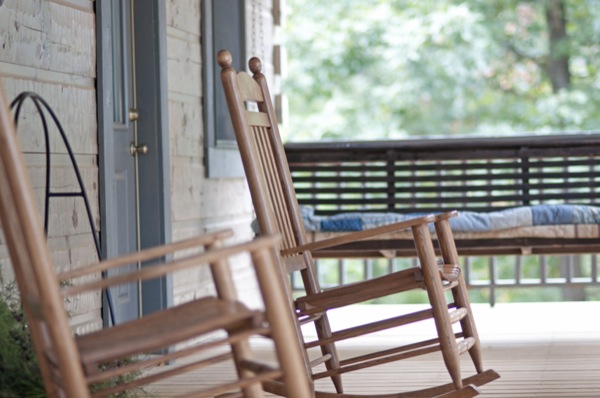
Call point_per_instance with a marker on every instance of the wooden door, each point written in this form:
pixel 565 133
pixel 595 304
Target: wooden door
pixel 133 143
pixel 125 298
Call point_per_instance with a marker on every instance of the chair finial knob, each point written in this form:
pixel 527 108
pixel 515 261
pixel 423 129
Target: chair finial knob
pixel 255 65
pixel 224 58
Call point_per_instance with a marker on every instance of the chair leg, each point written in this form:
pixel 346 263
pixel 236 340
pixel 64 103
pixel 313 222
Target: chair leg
pixel 324 331
pixel 322 325
pixel 459 293
pixel 242 351
pixel 435 292
pixel 285 331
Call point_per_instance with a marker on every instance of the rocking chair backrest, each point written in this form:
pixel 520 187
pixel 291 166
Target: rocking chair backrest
pixel 40 294
pixel 263 156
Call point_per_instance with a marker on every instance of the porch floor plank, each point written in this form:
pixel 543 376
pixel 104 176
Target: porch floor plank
pixel 535 353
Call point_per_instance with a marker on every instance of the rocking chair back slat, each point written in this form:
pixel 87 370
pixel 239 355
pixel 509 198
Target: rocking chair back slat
pixel 284 223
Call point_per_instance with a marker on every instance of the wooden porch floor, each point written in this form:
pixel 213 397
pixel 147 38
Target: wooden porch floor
pixel 540 350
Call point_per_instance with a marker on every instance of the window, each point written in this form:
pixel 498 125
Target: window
pixel 223 27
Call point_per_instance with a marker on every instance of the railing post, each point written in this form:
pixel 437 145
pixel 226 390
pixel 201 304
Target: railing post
pixel 524 153
pixel 492 270
pixel 391 181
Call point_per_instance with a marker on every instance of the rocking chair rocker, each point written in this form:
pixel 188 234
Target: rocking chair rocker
pixel 277 211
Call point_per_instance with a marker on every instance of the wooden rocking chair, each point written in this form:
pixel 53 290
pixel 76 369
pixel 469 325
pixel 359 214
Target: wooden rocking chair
pixel 73 366
pixel 277 211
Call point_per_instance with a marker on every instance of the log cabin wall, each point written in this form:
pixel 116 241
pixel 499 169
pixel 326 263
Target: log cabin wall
pixel 198 203
pixel 49 47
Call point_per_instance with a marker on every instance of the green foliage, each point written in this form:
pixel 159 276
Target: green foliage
pixel 376 69
pixel 20 376
pixel 19 372
pixel 123 379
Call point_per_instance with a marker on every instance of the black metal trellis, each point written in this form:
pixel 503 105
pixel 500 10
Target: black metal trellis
pixel 40 105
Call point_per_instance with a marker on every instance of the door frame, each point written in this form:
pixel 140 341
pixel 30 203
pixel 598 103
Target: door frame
pixel 152 101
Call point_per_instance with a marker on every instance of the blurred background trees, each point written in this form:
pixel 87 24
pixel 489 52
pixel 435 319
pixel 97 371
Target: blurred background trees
pixel 385 69
pixel 377 69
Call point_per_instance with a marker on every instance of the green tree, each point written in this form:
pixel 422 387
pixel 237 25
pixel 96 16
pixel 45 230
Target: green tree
pixel 376 69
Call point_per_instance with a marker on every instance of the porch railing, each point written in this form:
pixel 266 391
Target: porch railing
pixel 490 278
pixel 478 174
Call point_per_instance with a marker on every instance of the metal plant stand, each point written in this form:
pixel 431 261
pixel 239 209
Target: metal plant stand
pixel 42 105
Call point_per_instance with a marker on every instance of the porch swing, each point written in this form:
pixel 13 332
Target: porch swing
pixel 515 195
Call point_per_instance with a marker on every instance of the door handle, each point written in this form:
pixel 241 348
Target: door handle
pixel 138 149
pixel 133 114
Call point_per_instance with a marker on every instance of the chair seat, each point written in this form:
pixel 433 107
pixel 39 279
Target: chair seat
pixel 163 329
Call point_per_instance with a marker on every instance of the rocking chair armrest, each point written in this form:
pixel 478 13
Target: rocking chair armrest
pixel 356 236
pixel 146 254
pixel 445 216
pixel 213 257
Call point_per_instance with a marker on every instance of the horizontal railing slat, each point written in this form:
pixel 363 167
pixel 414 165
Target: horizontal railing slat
pixel 437 165
pixel 436 189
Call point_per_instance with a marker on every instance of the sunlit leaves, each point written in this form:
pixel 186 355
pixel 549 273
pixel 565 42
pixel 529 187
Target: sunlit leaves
pixel 372 69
